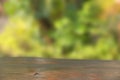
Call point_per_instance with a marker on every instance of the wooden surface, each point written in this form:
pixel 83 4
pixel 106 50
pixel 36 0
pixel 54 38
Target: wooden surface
pixel 53 69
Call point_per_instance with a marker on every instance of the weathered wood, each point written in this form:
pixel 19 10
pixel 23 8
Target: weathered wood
pixel 54 69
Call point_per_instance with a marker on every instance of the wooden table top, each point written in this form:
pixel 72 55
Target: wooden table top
pixel 56 69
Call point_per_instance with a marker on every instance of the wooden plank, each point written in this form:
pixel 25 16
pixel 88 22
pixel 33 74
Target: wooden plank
pixel 56 69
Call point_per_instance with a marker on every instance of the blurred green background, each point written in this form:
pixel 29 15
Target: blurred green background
pixel 74 29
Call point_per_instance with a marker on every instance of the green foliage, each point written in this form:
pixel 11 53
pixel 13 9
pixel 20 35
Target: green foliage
pixel 79 33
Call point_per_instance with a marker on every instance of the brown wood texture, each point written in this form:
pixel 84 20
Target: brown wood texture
pixel 56 69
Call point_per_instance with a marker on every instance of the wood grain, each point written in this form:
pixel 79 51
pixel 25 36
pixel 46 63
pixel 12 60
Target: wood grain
pixel 56 69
